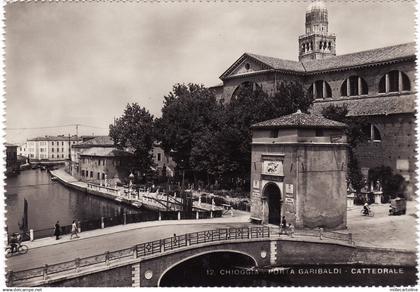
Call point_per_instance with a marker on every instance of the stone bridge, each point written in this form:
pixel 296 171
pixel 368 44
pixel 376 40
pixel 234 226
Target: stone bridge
pixel 160 262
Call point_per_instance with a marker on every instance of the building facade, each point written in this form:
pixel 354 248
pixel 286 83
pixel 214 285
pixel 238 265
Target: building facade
pixel 12 164
pixel 298 170
pixel 378 85
pixel 50 148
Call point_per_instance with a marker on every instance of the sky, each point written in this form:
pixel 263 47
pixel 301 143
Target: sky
pixel 81 63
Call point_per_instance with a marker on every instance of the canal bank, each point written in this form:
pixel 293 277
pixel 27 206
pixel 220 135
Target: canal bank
pixel 167 205
pixel 49 201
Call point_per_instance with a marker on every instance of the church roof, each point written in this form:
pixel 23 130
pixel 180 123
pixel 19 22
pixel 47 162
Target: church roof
pixel 276 63
pixel 299 120
pixel 380 105
pixel 358 59
pixel 362 58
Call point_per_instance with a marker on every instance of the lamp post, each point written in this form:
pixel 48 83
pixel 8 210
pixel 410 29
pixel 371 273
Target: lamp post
pixel 130 184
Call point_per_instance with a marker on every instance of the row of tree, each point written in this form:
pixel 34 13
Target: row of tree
pixel 209 140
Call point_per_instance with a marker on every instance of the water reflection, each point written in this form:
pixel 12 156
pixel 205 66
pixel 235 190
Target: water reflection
pixel 49 201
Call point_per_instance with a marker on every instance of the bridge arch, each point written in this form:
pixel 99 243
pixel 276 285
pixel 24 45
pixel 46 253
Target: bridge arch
pixel 162 275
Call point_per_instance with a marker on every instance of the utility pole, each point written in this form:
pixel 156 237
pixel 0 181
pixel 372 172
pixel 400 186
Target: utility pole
pixel 69 147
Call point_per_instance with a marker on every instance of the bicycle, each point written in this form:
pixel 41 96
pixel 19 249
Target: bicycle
pixel 369 214
pixel 21 249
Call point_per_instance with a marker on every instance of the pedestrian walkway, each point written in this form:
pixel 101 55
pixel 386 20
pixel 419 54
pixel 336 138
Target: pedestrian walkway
pixel 241 218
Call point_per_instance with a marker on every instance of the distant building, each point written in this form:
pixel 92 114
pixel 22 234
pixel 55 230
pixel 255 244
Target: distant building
pixel 104 142
pixel 50 148
pixel 97 158
pixel 12 165
pixel 104 163
pixel 22 149
pixel 163 162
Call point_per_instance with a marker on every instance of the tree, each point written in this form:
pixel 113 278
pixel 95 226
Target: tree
pixel 134 130
pixel 355 136
pixel 252 105
pixel 190 119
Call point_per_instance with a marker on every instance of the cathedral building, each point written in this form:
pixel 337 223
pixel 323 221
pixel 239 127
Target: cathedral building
pixel 377 84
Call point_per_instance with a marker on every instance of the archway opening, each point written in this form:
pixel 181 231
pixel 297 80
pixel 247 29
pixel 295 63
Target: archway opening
pixel 273 195
pixel 213 269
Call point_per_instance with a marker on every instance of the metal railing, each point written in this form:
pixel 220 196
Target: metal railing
pixel 167 244
pixel 141 250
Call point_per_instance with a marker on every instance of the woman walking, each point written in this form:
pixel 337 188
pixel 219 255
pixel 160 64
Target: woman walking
pixel 74 230
pixel 57 230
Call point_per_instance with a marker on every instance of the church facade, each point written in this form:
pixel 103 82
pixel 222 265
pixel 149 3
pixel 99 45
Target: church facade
pixel 377 84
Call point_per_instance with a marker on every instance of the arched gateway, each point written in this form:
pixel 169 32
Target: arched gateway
pixel 272 194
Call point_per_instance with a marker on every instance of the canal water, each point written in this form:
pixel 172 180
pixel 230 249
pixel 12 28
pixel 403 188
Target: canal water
pixel 49 201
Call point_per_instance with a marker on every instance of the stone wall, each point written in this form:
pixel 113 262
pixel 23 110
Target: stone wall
pixel 118 277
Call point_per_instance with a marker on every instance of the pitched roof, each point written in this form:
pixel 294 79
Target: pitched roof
pixel 104 141
pixel 379 105
pixel 299 120
pixel 280 64
pixel 374 56
pixel 363 58
pixel 105 152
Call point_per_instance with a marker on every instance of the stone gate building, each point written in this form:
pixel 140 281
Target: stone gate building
pixel 377 84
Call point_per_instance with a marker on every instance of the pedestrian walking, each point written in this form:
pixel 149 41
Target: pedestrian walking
pixel 74 230
pixel 57 230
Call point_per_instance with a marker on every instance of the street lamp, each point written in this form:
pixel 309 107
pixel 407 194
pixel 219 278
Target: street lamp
pixel 130 185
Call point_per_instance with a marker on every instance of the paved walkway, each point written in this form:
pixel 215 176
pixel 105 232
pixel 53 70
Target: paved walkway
pixel 51 251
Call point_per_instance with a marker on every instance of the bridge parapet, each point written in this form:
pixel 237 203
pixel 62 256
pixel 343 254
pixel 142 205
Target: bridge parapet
pixel 179 243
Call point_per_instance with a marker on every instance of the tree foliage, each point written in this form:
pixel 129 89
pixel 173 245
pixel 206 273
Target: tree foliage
pixel 134 129
pixel 211 140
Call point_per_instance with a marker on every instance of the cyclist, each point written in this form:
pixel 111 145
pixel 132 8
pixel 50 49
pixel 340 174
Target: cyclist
pixel 366 209
pixel 15 242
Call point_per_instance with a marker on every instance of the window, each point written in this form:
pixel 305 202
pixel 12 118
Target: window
pixel 103 175
pixel 52 143
pixel 394 81
pixel 52 149
pixel 159 157
pixel 354 85
pixel 99 176
pixel 319 132
pixel 62 143
pixel 52 155
pixel 319 89
pixel 247 66
pixel 245 87
pixel 274 133
pixel 91 174
pixel 372 132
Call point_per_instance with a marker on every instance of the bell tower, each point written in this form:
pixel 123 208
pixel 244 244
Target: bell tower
pixel 316 43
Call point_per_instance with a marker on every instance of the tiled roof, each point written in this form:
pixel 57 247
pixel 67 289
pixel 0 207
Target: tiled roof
pixel 280 64
pixel 362 58
pixel 96 141
pixel 55 138
pixel 299 120
pixel 380 105
pixel 374 56
pixel 104 152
